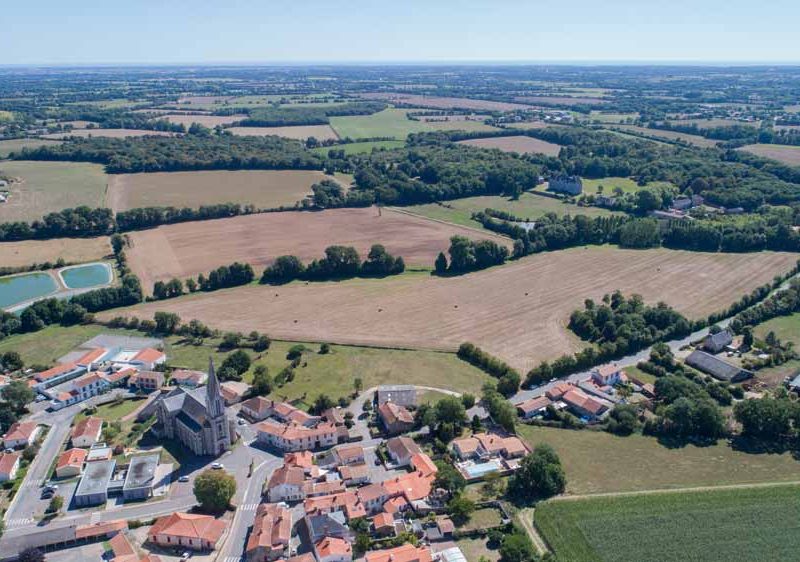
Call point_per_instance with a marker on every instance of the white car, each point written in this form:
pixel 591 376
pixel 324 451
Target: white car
pixel 217 466
pixel 183 479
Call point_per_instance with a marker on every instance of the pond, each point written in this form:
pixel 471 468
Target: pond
pixel 85 276
pixel 20 288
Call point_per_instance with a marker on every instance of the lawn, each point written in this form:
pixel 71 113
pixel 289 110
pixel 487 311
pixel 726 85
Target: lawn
pixel 634 371
pixel 611 117
pixel 528 206
pixel 361 147
pixel 394 123
pixel 484 518
pixel 50 186
pixel 476 549
pixel 598 462
pixel 787 328
pixel 627 185
pixel 14 145
pixel 113 411
pixel 721 525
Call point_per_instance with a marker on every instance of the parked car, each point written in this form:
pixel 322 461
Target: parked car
pixel 183 479
pixel 217 466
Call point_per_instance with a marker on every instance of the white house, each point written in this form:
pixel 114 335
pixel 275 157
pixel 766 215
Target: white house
pixel 286 484
pixel 9 464
pixel 20 435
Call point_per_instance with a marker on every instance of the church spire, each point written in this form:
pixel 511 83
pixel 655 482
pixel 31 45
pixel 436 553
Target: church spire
pixel 216 405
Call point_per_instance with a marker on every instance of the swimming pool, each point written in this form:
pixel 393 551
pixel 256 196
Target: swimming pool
pixel 86 276
pixel 20 288
pixel 482 469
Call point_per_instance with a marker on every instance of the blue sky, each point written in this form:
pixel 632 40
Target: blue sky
pixel 216 31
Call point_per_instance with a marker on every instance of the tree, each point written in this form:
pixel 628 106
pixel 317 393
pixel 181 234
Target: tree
pixel 262 343
pixel 214 489
pixel 441 264
pixel 324 348
pixel 166 322
pixel 747 337
pixel 322 403
pixel 362 544
pixel 448 478
pixel 283 270
pixel 460 508
pixel 358 384
pixel 765 418
pixel 18 395
pixel 540 475
pixel 468 400
pixel 451 410
pixel 31 555
pixel 623 419
pixel 238 361
pixel 12 361
pixel 262 382
pixel 55 504
pixel 231 340
pixel 517 547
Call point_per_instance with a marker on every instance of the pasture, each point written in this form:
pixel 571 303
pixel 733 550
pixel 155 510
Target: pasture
pixel 521 144
pixel 360 147
pixel 107 133
pixel 300 132
pixel 748 524
pixel 185 249
pixel 611 117
pixel 45 187
pixel 14 145
pixel 517 311
pixel 782 153
pixel 627 185
pixel 787 329
pixel 394 123
pixel 695 140
pixel 71 250
pixel 266 189
pixel 561 100
pixel 209 121
pixel 438 102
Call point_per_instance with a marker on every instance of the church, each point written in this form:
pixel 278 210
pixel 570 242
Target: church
pixel 196 418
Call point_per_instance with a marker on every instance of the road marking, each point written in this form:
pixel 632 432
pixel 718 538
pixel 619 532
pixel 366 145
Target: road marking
pixel 20 522
pixel 248 507
pixel 233 559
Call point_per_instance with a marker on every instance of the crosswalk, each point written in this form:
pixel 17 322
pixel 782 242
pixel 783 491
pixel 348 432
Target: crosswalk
pixel 32 483
pixel 19 522
pixel 233 559
pixel 248 507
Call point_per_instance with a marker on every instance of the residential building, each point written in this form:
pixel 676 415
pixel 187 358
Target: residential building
pixel 349 454
pixel 373 497
pixel 257 408
pixel 234 391
pixel 141 477
pixel 20 435
pixel 286 484
pixel 423 464
pixel 533 407
pixel 70 463
pixel 321 525
pixel 484 445
pixel 334 416
pixel 716 367
pixel 87 432
pixel 9 464
pixel 571 185
pixel 558 390
pixel 147 381
pixel 401 449
pixel 383 524
pixel 294 437
pixel 272 530
pixel 347 502
pixel 404 395
pixel 187 530
pixel 354 475
pixel 93 487
pixel 405 553
pixel 286 413
pixel 333 549
pixel 609 375
pixel 189 379
pixel 714 343
pixel 323 488
pixel 395 418
pixel 584 405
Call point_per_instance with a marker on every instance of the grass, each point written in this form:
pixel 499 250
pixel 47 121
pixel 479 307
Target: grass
pixel 360 147
pixel 635 371
pixel 696 140
pixel 528 206
pixel 476 549
pixel 787 329
pixel 51 186
pixel 744 524
pixel 14 145
pixel 627 185
pixel 604 117
pixel 394 123
pixel 598 462
pixel 782 153
pixel 484 518
pixel 113 411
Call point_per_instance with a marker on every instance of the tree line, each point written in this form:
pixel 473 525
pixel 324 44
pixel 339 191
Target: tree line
pixel 508 377
pixel 470 255
pixel 339 262
pixel 223 277
pixel 279 116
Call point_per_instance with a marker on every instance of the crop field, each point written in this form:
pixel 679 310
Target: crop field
pixel 782 153
pixel 14 145
pixel 361 147
pixel 71 250
pixel 528 206
pixel 517 311
pixel 266 189
pixel 714 123
pixel 181 250
pixel 528 125
pixel 108 133
pixel 696 140
pixel 611 117
pixel 437 102
pixel 210 121
pixel 749 524
pixel 521 144
pixel 300 132
pixel 50 186
pixel 394 123
pixel 561 100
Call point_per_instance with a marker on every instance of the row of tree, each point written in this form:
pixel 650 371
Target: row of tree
pixel 225 276
pixel 508 377
pixel 339 262
pixel 470 255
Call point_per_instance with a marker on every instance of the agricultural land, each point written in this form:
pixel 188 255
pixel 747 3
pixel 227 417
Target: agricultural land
pixel 395 123
pixel 209 121
pixel 108 133
pixel 521 144
pixel 15 145
pixel 787 154
pixel 71 250
pixel 695 140
pixel 361 147
pixel 300 132
pixel 437 102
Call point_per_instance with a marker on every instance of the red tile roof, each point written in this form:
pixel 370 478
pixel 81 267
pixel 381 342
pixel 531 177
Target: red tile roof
pixel 54 371
pixel 534 404
pixel 72 457
pixel 20 430
pixel 383 520
pixel 423 463
pixel 272 528
pixel 7 463
pixel 148 355
pixel 558 390
pixel 578 399
pixel 393 413
pixel 333 546
pixel 91 356
pixel 402 446
pixel 99 529
pixel 405 553
pixel 87 427
pixel 189 525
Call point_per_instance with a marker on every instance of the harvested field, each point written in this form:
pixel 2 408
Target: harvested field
pixel 447 118
pixel 437 102
pixel 209 121
pixel 108 133
pixel 300 132
pixel 71 250
pixel 266 189
pixel 186 249
pixel 696 140
pixel 561 100
pixel 782 153
pixel 528 125
pixel 360 147
pixel 518 311
pixel 521 144
pixel 14 145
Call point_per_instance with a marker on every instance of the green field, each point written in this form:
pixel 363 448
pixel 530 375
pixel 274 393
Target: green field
pixel 787 328
pixel 603 117
pixel 47 345
pixel 627 185
pixel 722 525
pixel 598 462
pixel 394 123
pixel 360 147
pixel 6 116
pixel 51 186
pixel 13 145
pixel 113 411
pixel 528 206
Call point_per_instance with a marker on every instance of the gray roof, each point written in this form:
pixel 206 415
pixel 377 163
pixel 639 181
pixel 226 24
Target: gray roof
pixel 795 383
pixel 327 524
pixel 719 340
pixel 96 478
pixel 717 368
pixel 141 471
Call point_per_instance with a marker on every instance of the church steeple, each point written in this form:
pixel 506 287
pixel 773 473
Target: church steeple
pixel 216 404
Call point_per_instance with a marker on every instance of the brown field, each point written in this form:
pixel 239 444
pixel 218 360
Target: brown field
pixel 437 102
pixel 266 189
pixel 526 125
pixel 561 100
pixel 71 250
pixel 210 121
pixel 782 153
pixel 107 133
pixel 517 311
pixel 696 140
pixel 521 144
pixel 455 118
pixel 300 132
pixel 182 250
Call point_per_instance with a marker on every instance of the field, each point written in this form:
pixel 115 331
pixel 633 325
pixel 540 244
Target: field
pixel 394 123
pixel 561 100
pixel 108 133
pixel 475 549
pixel 720 525
pixel 186 249
pixel 787 328
pixel 50 186
pixel 436 102
pixel 528 206
pixel 714 123
pixel 627 185
pixel 301 132
pixel 71 250
pixel 360 147
pixel 48 344
pixel 9 146
pixel 696 140
pixel 521 144
pixel 611 117
pixel 517 311
pixel 266 189
pixel 528 125
pixel 209 121
pixel 782 153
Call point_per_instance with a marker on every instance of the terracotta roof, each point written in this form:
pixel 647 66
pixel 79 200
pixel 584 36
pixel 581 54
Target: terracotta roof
pixel 292 431
pixel 402 446
pixel 303 459
pixel 578 399
pixel 347 453
pixel 534 404
pixel 445 524
pixel 404 553
pixel 87 427
pixel 291 475
pixel 393 413
pixel 467 444
pixel 333 546
pixel 87 379
pixel 343 501
pixel 72 457
pixel 372 492
pixel 55 371
pixel 20 430
pixel 557 390
pixel 334 415
pixel 383 519
pixel 272 528
pixel 148 355
pixel 395 504
pixel 414 486
pixel 323 488
pixel 258 404
pixel 307 557
pixel 423 463
pixel 122 548
pixel 189 525
pixel 7 462
pixel 121 374
pixel 353 471
pixel 98 529
pixel 91 356
pixel 182 375
pixel 607 370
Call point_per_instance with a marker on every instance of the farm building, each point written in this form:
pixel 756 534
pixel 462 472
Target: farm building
pixel 714 343
pixel 716 367
pixel 401 394
pixel 571 185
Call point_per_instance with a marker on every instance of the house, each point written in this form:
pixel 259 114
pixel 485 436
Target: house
pixel 257 408
pixel 141 477
pixel 404 395
pixel 373 497
pixel 323 488
pixel 286 413
pixel 9 464
pixel 558 390
pixel 286 484
pixel 395 418
pixel 533 407
pixel 716 367
pixel 609 375
pixel 714 343
pixel 333 549
pixel 190 379
pixel 233 391
pixel 682 203
pixel 324 525
pixel 87 432
pixel 346 502
pixel 84 387
pixel 303 459
pixel 571 185
pixel 383 524
pixel 294 437
pixel 584 405
pixel 405 553
pixel 354 475
pixel 401 449
pixel 20 435
pixel 70 463
pixel 485 445
pixel 146 381
pixel 272 530
pixel 334 416
pixel 423 464
pixel 99 452
pixel 93 487
pixel 349 454
pixel 187 530
pixel 414 486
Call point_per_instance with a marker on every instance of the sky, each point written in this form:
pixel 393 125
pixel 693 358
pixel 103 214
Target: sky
pixel 66 32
